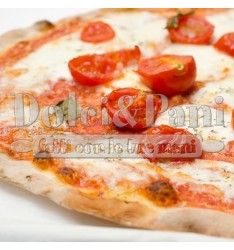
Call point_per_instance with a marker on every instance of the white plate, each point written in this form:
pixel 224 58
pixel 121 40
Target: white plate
pixel 25 217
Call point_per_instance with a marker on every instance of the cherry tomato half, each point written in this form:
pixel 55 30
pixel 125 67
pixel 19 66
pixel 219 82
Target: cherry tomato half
pixel 167 130
pixel 168 74
pixel 191 29
pixel 226 43
pixel 97 32
pixel 132 108
pixel 92 70
pixel 163 130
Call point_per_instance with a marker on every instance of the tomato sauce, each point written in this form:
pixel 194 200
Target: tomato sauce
pixel 204 196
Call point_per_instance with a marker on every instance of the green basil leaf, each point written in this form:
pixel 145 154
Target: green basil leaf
pixel 173 22
pixel 71 105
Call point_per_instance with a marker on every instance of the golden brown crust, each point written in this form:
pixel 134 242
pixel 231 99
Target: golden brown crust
pixel 12 37
pixel 131 214
pixel 134 214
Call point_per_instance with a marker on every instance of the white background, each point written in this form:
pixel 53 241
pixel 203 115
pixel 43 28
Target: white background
pixel 18 18
pixel 116 4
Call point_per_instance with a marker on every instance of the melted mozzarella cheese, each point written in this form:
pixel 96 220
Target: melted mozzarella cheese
pixel 211 90
pixel 220 174
pixel 136 171
pixel 222 133
pixel 143 29
pixel 130 79
pixel 223 22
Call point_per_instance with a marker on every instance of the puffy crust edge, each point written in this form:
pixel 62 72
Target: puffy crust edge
pixel 132 214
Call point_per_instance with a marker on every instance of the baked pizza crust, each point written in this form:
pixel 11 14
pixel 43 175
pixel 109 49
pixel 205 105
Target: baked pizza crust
pixel 12 37
pixel 26 175
pixel 132 214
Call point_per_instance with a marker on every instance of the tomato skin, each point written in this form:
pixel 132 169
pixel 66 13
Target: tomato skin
pixel 168 74
pixel 139 104
pixel 229 149
pixel 192 29
pixel 92 70
pixel 226 44
pixel 164 130
pixel 97 32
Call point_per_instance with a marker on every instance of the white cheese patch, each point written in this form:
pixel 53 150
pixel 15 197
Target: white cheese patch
pixel 115 170
pixel 130 79
pixel 211 90
pixel 223 133
pixel 144 29
pixel 223 22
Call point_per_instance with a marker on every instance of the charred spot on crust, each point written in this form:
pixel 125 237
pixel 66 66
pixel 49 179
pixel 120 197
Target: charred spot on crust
pixel 162 193
pixel 44 25
pixel 29 178
pixel 69 175
pixel 192 227
pixel 42 163
pixel 23 44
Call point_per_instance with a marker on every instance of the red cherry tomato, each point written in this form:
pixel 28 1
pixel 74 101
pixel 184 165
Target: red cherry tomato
pixel 128 108
pixel 163 130
pixel 92 70
pixel 229 149
pixel 97 32
pixel 167 130
pixel 226 43
pixel 191 29
pixel 168 74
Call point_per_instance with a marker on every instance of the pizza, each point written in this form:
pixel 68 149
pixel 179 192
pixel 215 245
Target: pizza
pixel 163 77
